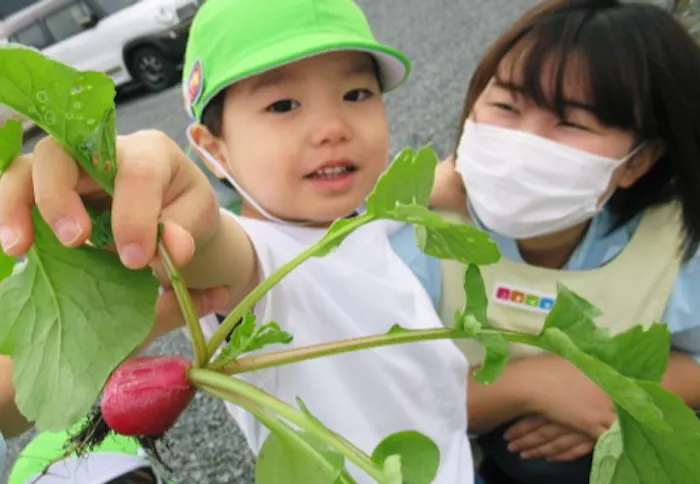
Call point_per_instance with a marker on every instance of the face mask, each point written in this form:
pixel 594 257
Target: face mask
pixel 236 185
pixel 521 185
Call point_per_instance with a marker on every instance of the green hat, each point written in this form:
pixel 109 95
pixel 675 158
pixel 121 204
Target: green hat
pixel 233 39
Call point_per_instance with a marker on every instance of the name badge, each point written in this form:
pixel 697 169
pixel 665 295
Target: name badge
pixel 521 298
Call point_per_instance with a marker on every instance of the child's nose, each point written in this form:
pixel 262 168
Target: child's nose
pixel 330 129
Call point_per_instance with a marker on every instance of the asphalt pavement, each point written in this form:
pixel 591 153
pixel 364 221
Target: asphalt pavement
pixel 444 38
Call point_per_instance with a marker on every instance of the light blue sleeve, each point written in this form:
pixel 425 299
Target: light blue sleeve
pixel 683 309
pixel 2 454
pixel 425 267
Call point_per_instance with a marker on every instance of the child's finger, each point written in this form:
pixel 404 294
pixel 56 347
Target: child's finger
pixel 179 243
pixel 55 176
pixel 206 301
pixel 136 209
pixel 16 202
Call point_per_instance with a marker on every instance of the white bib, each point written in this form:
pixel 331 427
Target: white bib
pixel 360 289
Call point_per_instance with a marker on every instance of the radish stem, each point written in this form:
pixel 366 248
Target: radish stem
pixel 229 324
pixel 282 429
pixel 212 379
pixel 186 306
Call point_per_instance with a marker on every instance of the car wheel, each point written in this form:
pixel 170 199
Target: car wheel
pixel 153 69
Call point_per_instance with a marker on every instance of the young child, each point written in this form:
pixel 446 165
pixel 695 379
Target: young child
pixel 580 155
pixel 286 98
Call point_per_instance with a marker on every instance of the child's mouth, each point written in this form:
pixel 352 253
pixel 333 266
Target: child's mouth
pixel 332 172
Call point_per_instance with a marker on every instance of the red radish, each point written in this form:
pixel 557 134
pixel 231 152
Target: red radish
pixel 144 396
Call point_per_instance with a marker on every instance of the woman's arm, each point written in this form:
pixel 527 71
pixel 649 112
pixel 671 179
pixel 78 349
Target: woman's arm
pixel 683 378
pixel 448 190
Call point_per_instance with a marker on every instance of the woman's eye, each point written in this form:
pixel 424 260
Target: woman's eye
pixel 506 107
pixel 358 95
pixel 571 124
pixel 283 106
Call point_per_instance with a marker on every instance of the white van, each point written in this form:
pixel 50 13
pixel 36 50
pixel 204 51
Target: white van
pixel 133 41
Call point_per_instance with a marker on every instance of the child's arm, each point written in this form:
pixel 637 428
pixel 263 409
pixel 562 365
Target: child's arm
pixel 12 422
pixel 448 190
pixel 155 181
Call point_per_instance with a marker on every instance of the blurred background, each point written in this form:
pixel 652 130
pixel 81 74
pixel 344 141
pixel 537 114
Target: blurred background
pixel 140 44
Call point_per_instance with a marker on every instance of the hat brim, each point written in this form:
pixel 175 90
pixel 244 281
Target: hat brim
pixel 394 66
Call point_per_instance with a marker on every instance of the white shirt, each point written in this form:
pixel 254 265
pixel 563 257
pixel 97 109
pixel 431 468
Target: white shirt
pixel 362 288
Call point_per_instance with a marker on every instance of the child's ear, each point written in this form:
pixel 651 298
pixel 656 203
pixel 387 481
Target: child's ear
pixel 204 139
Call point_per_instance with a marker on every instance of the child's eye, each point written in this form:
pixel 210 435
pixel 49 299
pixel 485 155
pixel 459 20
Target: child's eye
pixel 283 106
pixel 358 95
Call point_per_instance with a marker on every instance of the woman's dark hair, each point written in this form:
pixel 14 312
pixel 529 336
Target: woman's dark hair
pixel 642 74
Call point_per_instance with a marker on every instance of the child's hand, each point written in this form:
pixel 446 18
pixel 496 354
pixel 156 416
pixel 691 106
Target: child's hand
pixel 448 190
pixel 536 437
pixel 565 395
pixel 155 182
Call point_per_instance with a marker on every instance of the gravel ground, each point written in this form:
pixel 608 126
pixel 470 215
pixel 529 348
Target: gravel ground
pixel 444 39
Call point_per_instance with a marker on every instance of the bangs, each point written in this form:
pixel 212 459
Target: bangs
pixel 575 61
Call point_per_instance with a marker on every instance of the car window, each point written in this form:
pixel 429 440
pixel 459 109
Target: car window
pixel 68 21
pixel 32 36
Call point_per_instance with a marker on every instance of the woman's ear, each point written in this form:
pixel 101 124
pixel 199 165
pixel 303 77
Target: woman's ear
pixel 640 164
pixel 204 140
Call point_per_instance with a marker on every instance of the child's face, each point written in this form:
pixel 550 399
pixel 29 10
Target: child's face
pixel 308 140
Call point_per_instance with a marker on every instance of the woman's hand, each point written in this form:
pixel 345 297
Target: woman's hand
pixel 536 437
pixel 448 190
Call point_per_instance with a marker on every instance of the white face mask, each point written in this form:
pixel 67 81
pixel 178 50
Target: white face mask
pixel 521 185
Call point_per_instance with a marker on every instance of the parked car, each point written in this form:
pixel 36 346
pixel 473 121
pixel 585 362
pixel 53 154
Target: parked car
pixel 136 42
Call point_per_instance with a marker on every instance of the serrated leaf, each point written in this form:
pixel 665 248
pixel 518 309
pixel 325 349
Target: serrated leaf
pixel 623 391
pixel 11 134
pixel 475 308
pixel 632 451
pixel 68 319
pixel 407 181
pixel 637 353
pixel 445 239
pixel 420 456
pixel 75 108
pixel 248 336
pixel 282 461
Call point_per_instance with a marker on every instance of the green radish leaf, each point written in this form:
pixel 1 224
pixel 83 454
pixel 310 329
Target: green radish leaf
pixel 102 235
pixel 283 461
pixel 7 265
pixel 75 108
pixel 495 345
pixel 419 456
pixel 11 134
pixel 334 236
pixel 69 317
pixel 249 337
pixel 407 181
pixel 634 451
pixel 392 470
pixel 445 239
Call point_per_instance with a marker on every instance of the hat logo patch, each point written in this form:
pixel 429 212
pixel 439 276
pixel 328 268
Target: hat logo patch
pixel 195 83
